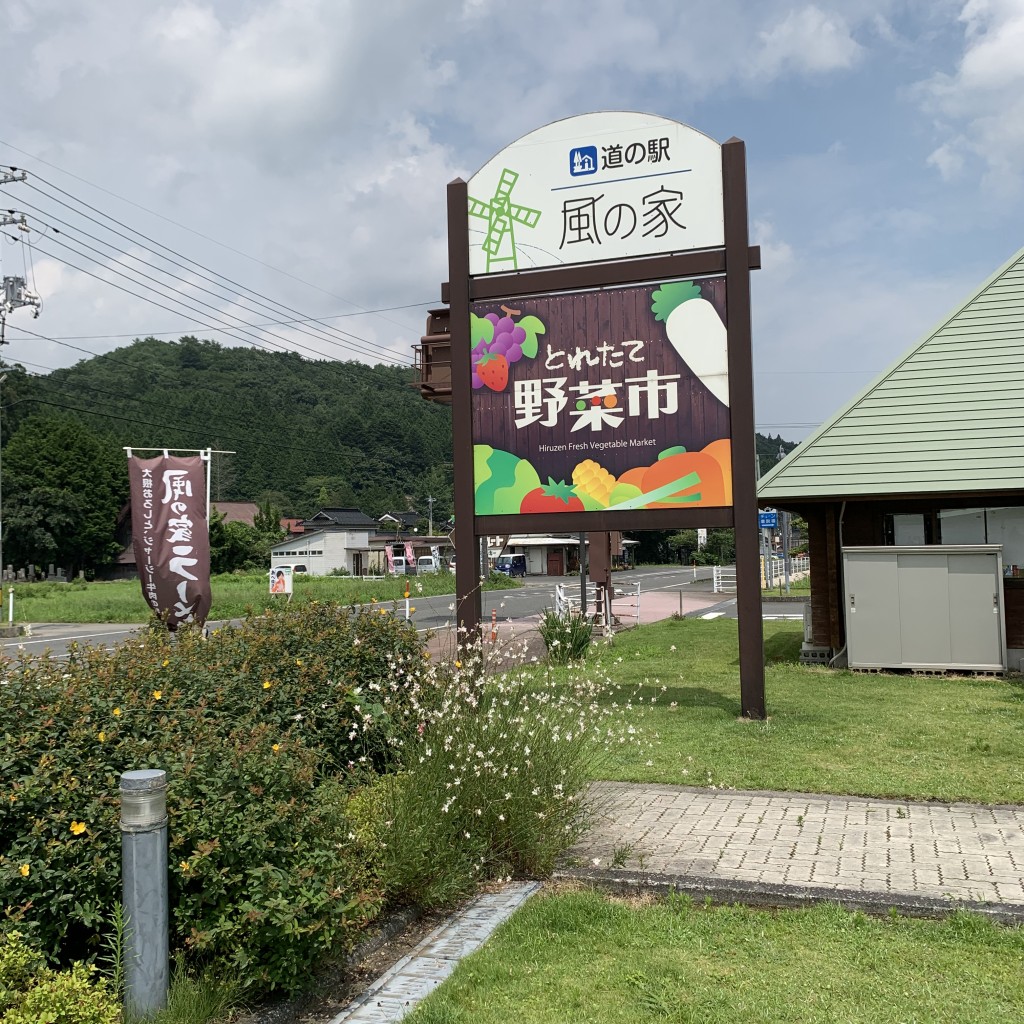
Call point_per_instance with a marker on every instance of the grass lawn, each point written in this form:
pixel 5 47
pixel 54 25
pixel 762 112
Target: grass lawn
pixel 801 587
pixel 921 737
pixel 579 957
pixel 121 600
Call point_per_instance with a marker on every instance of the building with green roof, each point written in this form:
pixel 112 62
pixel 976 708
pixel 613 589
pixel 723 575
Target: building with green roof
pixel 930 453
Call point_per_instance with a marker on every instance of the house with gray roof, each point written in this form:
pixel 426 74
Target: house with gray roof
pixel 340 519
pixel 927 458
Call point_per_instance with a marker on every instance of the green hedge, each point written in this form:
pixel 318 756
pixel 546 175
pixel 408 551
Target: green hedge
pixel 256 728
pixel 31 993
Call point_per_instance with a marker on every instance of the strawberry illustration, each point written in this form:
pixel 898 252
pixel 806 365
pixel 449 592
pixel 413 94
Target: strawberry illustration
pixel 492 369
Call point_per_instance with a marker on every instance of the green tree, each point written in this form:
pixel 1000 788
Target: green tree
pixel 237 546
pixel 63 488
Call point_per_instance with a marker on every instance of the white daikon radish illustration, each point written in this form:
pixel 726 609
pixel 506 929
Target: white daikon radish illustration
pixel 697 334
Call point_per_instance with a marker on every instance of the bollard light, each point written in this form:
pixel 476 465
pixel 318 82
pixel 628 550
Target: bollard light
pixel 144 887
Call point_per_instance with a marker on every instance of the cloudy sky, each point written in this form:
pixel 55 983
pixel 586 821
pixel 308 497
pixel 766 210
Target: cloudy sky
pixel 290 157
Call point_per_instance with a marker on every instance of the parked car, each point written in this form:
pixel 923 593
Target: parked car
pixel 404 568
pixel 511 565
pixel 296 568
pixel 427 563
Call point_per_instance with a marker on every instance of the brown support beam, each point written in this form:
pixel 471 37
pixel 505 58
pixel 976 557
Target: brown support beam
pixel 696 263
pixel 741 410
pixel 467 550
pixel 835 596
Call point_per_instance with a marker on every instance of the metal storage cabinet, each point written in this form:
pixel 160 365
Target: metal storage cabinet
pixel 925 607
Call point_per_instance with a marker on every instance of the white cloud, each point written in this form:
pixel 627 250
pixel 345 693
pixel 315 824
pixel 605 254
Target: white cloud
pixel 981 104
pixel 807 40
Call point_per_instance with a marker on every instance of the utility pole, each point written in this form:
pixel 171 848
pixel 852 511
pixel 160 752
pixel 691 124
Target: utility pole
pixel 430 516
pixel 3 377
pixel 14 292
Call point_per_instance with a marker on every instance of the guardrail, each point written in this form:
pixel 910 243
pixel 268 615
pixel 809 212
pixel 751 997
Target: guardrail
pixel 724 579
pixel 622 602
pixel 773 570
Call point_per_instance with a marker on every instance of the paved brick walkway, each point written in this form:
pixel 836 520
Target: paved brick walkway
pixel 815 843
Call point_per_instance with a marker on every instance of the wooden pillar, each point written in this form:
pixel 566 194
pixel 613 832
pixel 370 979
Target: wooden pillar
pixel 467 550
pixel 741 411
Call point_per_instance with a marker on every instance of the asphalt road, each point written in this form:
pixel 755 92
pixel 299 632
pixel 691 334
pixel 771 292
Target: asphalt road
pixel 437 613
pixel 432 613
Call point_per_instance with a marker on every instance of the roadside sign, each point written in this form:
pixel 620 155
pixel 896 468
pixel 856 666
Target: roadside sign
pixel 768 520
pixel 281 579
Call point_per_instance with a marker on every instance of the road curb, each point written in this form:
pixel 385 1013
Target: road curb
pixel 725 892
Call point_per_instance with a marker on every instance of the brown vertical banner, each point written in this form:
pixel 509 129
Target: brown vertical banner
pixel 170 536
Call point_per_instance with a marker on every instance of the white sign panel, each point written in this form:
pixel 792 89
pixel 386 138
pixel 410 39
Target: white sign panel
pixel 281 579
pixel 605 186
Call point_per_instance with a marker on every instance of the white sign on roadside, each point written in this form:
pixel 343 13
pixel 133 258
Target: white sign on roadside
pixel 281 579
pixel 603 186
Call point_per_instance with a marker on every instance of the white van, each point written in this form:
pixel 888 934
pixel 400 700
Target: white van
pixel 427 563
pixel 404 568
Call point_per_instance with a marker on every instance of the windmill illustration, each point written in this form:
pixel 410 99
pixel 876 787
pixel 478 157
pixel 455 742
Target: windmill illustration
pixel 502 215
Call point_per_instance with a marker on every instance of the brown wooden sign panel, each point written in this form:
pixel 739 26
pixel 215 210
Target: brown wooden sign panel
pixel 589 402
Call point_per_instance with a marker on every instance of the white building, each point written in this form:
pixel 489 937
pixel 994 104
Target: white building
pixel 323 551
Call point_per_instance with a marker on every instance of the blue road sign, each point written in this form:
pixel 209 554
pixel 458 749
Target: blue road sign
pixel 767 520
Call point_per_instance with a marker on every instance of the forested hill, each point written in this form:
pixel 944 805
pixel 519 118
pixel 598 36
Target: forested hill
pixel 303 433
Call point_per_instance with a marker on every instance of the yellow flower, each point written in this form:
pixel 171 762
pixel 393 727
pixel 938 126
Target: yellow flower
pixel 266 684
pixel 298 661
pixel 77 828
pixel 411 610
pixel 458 664
pixel 426 654
pixel 166 663
pixel 157 694
pixel 185 866
pixel 117 712
pixel 276 747
pixel 24 870
pixel 102 737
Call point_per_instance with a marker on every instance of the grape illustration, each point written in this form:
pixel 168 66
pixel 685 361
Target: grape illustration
pixel 504 343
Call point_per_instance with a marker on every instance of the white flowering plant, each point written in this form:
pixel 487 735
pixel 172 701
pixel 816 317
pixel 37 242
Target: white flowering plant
pixel 494 778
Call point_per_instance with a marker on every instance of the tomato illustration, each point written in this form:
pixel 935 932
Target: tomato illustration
pixel 552 497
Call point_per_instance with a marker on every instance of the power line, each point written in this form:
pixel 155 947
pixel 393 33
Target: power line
pixel 236 333
pixel 348 340
pixel 166 376
pixel 163 291
pixel 341 444
pixel 184 330
pixel 178 224
pixel 205 432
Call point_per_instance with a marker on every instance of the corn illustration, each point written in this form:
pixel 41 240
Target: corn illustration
pixel 593 480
